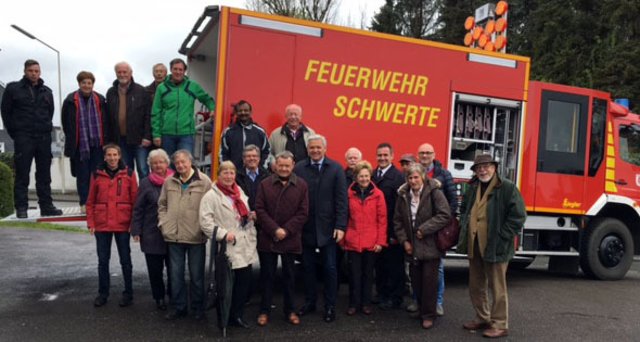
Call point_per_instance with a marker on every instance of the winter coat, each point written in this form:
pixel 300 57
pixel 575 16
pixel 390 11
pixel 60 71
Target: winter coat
pixel 279 206
pixel 278 138
pixel 178 210
pixel 237 136
pixel 426 221
pixel 71 122
pixel 110 201
pixel 173 107
pixel 144 222
pixel 250 187
pixel 138 113
pixel 328 203
pixel 389 184
pixel 27 109
pixel 447 185
pixel 367 224
pixel 506 214
pixel 216 210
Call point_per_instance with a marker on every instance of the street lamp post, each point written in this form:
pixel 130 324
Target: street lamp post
pixel 29 35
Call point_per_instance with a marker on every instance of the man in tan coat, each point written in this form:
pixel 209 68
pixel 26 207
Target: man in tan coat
pixel 178 209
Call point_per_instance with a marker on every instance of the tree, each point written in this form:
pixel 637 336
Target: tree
pixel 316 10
pixel 410 18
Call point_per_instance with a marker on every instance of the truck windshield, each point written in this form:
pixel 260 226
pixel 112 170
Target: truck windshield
pixel 630 143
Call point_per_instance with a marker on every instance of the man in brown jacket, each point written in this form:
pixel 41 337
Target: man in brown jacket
pixel 282 206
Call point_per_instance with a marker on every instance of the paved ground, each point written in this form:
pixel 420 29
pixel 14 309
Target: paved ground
pixel 48 281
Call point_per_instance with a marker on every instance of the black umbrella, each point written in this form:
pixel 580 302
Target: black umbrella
pixel 220 282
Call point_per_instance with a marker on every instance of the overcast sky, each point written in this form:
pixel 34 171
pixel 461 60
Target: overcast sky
pixel 94 35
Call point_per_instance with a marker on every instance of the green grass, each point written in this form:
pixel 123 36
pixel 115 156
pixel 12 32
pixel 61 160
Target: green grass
pixel 43 226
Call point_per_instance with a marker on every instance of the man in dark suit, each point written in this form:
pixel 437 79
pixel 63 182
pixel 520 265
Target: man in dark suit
pixel 390 263
pixel 326 224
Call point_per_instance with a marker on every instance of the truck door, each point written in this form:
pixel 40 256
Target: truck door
pixel 561 152
pixel 627 168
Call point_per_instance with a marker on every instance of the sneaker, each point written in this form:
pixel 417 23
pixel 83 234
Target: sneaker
pixel 50 211
pixel 99 301
pixel 83 209
pixel 440 310
pixel 125 301
pixel 21 213
pixel 413 306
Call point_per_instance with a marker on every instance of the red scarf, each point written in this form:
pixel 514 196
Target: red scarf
pixel 234 193
pixel 157 179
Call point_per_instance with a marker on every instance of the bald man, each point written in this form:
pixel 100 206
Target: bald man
pixel 293 136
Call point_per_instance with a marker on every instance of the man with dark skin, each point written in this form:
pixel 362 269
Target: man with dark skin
pixel 27 113
pixel 242 133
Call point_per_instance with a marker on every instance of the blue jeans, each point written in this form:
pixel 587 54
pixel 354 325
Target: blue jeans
pixel 441 282
pixel 103 246
pixel 330 273
pixel 83 170
pixel 172 143
pixel 137 153
pixel 178 253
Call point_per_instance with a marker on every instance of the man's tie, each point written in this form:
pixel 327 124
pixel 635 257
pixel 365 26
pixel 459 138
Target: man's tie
pixel 379 175
pixel 318 166
pixel 252 175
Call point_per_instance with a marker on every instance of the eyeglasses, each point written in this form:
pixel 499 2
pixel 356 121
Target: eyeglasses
pixel 426 152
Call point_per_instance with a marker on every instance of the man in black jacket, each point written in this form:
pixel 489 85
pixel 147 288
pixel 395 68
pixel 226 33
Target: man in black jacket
pixel 390 263
pixel 129 108
pixel 242 133
pixel 27 113
pixel 249 177
pixel 328 213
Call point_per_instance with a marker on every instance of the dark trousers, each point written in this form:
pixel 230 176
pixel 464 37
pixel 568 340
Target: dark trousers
pixel 268 267
pixel 360 277
pixel 83 169
pixel 156 264
pixel 390 276
pixel 135 154
pixel 103 246
pixel 28 147
pixel 330 273
pixel 241 291
pixel 424 280
pixel 179 253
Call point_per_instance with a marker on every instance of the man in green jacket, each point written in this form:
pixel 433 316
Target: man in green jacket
pixel 172 115
pixel 493 212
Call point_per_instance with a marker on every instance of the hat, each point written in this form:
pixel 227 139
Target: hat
pixel 483 159
pixel 408 157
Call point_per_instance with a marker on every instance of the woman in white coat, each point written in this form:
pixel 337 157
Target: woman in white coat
pixel 226 207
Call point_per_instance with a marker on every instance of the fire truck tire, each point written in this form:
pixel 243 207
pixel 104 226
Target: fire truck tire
pixel 606 249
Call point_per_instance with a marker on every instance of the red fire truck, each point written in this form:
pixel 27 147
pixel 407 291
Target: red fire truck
pixel 574 153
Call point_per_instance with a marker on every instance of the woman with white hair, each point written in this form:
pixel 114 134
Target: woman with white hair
pixel 144 225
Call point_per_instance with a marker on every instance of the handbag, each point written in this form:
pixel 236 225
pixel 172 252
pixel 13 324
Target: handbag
pixel 446 237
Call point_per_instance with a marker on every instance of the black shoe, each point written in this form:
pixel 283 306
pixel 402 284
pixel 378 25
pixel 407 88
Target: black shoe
pixel 330 315
pixel 50 211
pixel 238 322
pixel 99 301
pixel 161 305
pixel 175 314
pixel 21 213
pixel 125 301
pixel 307 308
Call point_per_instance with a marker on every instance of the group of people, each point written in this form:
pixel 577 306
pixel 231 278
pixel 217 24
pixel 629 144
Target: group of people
pixel 277 196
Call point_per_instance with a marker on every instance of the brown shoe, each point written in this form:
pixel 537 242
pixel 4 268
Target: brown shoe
pixel 475 325
pixel 263 319
pixel 294 319
pixel 351 311
pixel 495 333
pixel 427 324
pixel 367 310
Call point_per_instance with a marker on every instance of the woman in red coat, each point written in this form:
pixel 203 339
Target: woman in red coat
pixel 365 236
pixel 112 194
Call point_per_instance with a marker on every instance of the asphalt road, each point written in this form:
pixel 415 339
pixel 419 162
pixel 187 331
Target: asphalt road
pixel 48 281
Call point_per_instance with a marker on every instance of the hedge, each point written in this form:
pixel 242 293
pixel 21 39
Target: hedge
pixel 6 190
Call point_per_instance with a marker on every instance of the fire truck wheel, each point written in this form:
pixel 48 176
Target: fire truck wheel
pixel 606 249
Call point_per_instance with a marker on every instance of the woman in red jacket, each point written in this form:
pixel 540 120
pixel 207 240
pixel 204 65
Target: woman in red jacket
pixel 112 194
pixel 365 236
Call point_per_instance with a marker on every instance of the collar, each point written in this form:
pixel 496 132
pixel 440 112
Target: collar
pixel 312 162
pixel 247 171
pixel 419 191
pixel 384 171
pixel 293 179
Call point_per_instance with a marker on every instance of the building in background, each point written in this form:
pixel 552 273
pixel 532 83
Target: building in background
pixel 6 143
